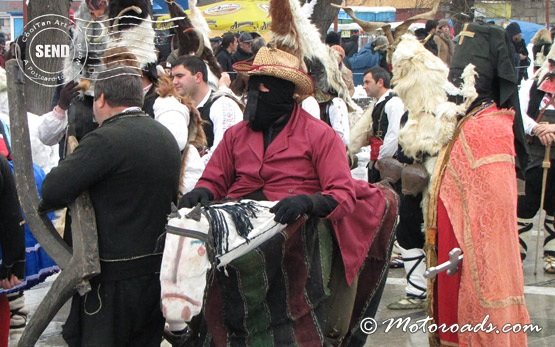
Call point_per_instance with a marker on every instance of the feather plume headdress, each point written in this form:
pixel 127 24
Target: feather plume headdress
pixel 126 25
pixel 131 28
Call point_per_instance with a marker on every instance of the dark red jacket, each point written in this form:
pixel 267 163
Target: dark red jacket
pixel 306 157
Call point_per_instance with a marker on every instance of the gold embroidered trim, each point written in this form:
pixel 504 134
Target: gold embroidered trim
pixel 448 343
pixel 474 164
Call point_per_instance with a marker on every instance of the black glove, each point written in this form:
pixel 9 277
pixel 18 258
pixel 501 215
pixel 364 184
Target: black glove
pixel 68 92
pixel 178 338
pixel 288 210
pixel 195 196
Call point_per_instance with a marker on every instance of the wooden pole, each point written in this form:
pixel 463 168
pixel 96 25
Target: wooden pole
pixel 23 164
pixel 78 266
pixel 547 14
pixel 25 13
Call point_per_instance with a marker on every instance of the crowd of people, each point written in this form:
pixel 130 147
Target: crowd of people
pixel 187 131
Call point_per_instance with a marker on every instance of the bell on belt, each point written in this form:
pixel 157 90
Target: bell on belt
pixel 390 169
pixel 414 178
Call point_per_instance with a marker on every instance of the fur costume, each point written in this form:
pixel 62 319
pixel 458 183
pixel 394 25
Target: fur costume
pixel 131 27
pixel 420 80
pixel 295 33
pixel 468 150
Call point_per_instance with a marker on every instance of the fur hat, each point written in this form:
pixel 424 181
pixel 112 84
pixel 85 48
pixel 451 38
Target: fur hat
pixel 380 43
pixel 192 32
pixel 293 32
pixel 280 64
pixel 132 29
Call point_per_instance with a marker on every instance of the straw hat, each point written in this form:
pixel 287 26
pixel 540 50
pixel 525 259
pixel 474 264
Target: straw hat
pixel 280 64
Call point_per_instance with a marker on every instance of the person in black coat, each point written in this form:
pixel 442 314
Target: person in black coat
pixel 520 51
pixel 12 237
pixel 225 52
pixel 244 50
pixel 130 167
pixel 12 244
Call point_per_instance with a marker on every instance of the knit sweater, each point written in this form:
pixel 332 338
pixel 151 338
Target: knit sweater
pixel 130 166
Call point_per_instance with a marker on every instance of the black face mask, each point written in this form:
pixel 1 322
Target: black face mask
pixel 265 108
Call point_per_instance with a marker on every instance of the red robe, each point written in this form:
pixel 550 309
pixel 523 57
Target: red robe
pixel 475 187
pixel 306 157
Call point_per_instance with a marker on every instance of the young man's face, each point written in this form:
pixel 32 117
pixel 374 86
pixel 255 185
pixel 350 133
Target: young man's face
pixel 184 81
pixel 233 46
pixel 372 87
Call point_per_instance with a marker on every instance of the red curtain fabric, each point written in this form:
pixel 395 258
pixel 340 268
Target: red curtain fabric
pixel 4 321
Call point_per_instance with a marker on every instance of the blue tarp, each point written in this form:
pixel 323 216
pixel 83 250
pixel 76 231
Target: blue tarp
pixel 160 7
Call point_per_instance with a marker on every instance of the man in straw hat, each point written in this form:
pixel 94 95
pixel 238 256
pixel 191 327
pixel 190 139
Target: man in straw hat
pixel 310 273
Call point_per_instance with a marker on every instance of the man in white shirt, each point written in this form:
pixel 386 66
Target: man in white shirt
pixel 541 110
pixel 386 118
pixel 219 110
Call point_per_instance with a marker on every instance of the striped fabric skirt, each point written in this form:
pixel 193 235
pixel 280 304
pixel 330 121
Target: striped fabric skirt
pixel 278 294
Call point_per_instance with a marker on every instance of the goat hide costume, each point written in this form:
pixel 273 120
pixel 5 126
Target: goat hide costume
pixel 469 150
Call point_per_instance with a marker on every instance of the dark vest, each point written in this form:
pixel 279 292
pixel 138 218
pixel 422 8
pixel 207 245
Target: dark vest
pixel 208 125
pixel 325 111
pixel 379 118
